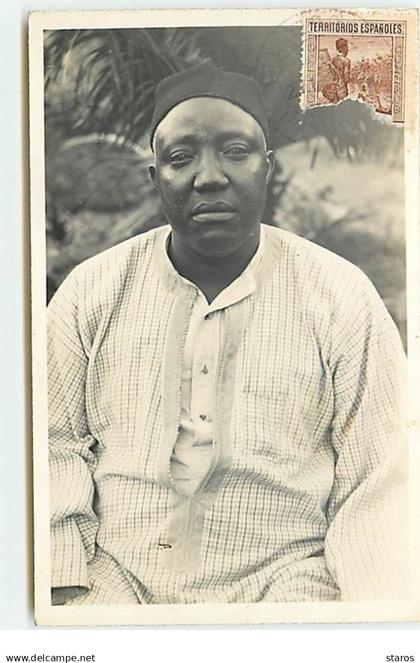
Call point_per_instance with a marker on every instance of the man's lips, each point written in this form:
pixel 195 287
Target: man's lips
pixel 217 211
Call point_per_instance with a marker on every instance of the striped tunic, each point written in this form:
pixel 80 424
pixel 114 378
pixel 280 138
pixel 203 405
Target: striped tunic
pixel 304 497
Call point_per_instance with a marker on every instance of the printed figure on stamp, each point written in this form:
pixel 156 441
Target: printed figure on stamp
pixel 355 59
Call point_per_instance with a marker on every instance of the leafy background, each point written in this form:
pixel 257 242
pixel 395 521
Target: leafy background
pixel 338 181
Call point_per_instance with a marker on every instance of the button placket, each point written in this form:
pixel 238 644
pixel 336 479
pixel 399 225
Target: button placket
pixel 201 393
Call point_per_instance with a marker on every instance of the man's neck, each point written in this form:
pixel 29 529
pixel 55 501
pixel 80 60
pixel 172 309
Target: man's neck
pixel 211 275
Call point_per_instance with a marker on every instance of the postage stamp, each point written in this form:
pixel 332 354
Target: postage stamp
pixel 358 59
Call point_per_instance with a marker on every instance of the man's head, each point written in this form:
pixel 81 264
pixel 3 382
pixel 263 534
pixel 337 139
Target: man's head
pixel 342 46
pixel 211 163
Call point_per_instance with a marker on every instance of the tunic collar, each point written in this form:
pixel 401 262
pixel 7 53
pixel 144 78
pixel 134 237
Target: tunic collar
pixel 248 281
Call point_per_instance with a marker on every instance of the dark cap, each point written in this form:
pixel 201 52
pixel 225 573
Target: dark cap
pixel 206 80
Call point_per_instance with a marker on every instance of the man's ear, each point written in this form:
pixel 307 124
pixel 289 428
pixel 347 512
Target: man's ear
pixel 270 165
pixel 152 173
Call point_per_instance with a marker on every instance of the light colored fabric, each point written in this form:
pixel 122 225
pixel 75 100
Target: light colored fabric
pixel 303 502
pixel 193 452
pixel 109 584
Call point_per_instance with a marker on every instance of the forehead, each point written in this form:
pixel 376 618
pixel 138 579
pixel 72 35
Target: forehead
pixel 204 117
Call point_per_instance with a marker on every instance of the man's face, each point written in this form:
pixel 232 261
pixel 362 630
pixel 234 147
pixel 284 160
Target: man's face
pixel 211 169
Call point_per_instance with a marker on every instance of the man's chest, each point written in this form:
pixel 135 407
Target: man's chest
pixel 272 383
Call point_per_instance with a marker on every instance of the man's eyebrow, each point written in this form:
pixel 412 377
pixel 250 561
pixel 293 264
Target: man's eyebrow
pixel 177 138
pixel 237 133
pixel 192 138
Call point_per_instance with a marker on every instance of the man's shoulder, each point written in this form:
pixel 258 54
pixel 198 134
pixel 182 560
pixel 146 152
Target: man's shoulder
pixel 328 286
pixel 297 247
pixel 122 256
pixel 314 265
pixel 96 283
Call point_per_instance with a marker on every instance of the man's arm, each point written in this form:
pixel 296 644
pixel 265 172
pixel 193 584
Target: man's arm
pixel 367 514
pixel 72 458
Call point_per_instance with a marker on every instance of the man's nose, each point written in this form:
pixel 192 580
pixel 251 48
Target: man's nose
pixel 210 174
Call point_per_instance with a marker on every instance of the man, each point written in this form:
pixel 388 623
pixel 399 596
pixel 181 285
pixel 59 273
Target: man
pixel 224 417
pixel 342 65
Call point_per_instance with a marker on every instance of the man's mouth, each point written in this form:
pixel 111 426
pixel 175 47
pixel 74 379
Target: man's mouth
pixel 217 211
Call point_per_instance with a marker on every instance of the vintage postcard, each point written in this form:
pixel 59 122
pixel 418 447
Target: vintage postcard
pixel 225 301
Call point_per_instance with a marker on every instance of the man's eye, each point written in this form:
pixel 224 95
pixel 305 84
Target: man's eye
pixel 180 158
pixel 237 151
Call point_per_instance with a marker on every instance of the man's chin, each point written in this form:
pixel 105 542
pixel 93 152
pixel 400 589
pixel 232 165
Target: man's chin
pixel 216 240
pixel 219 246
pixel 214 236
pixel 215 249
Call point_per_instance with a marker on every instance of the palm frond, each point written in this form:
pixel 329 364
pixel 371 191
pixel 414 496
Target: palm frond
pixel 110 75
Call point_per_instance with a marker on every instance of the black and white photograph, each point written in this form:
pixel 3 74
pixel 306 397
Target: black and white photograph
pixel 221 293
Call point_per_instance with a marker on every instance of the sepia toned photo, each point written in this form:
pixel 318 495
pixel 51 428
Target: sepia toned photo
pixel 220 318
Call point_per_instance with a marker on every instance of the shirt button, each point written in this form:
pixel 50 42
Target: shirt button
pixel 204 417
pixel 205 370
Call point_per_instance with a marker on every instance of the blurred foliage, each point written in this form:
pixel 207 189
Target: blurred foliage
pixel 99 92
pixel 104 80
